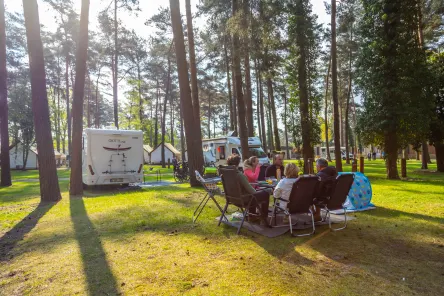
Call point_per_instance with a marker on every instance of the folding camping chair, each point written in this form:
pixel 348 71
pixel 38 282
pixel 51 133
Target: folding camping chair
pixel 337 198
pixel 211 188
pixel 234 196
pixel 300 201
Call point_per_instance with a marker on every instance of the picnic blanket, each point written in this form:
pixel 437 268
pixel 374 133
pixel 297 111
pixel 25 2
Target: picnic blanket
pixel 303 222
pixel 360 195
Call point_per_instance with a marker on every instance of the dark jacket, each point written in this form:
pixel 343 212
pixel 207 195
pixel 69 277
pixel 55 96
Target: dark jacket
pixel 328 173
pixel 271 170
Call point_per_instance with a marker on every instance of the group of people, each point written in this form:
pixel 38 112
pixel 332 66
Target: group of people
pixel 287 176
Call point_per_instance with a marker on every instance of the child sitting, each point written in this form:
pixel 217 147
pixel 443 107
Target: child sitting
pixel 283 188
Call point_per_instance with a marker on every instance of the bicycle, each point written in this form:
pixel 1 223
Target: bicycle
pixel 181 174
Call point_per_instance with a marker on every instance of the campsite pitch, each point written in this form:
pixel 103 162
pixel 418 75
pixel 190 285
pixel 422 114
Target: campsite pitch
pixel 144 242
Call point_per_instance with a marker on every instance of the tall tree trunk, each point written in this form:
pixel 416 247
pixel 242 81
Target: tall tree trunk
pixel 139 93
pixel 270 125
pixel 88 110
pixel 347 105
pixel 285 123
pixel 263 115
pixel 156 116
pixel 277 140
pixel 165 101
pixel 97 117
pixel 115 69
pixel 301 41
pixel 243 129
pixel 58 132
pixel 76 184
pixel 4 133
pixel 258 100
pixel 391 151
pixel 327 79
pixel 182 136
pixel 334 71
pixel 234 107
pixel 440 157
pixel 172 112
pixel 49 185
pixel 230 95
pixel 68 103
pixel 195 153
pixel 209 116
pixel 246 50
pixel 194 88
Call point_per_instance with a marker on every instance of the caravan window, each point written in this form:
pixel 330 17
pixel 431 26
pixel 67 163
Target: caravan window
pixel 235 151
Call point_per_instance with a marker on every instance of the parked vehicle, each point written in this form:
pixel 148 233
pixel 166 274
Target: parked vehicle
pixel 217 150
pixel 112 157
pixel 322 152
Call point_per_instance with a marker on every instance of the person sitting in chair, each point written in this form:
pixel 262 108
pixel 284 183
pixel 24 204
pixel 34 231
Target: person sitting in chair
pixel 276 168
pixel 284 187
pixel 262 196
pixel 252 169
pixel 327 174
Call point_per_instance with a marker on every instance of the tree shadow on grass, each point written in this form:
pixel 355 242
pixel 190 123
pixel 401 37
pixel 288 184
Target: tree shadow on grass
pixel 99 276
pixel 18 232
pixel 390 213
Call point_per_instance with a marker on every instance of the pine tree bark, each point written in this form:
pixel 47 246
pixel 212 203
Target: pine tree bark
pixel 234 101
pixel 165 101
pixel 230 94
pixel 68 103
pixel 193 72
pixel 440 157
pixel 246 50
pixel 49 185
pixel 195 153
pixel 277 141
pixel 115 69
pixel 285 123
pixel 301 41
pixel 327 80
pixel 156 117
pixel 258 101
pixel 243 129
pixel 76 184
pixel 263 116
pixel 334 71
pixel 347 104
pixel 4 133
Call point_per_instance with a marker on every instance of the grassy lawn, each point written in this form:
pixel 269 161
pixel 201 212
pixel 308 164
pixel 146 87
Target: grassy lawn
pixel 144 242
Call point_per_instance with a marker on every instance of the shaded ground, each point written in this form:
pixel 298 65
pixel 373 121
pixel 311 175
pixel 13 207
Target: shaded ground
pixel 144 242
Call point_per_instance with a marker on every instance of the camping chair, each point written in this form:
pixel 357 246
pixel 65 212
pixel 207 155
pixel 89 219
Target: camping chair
pixel 234 196
pixel 211 188
pixel 300 201
pixel 338 198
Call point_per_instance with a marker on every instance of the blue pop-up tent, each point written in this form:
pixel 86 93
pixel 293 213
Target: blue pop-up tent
pixel 360 195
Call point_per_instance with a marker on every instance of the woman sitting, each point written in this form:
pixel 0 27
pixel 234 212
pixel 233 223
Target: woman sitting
pixel 283 188
pixel 252 169
pixel 262 196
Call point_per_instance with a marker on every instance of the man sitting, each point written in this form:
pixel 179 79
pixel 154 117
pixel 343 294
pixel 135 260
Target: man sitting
pixel 262 196
pixel 327 174
pixel 272 170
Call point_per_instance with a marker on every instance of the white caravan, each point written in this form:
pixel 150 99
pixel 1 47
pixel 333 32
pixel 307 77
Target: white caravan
pixel 217 150
pixel 112 157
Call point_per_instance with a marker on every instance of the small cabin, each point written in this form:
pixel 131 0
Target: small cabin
pixel 16 153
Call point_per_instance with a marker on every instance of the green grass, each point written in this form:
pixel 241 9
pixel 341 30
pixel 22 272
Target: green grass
pixel 34 174
pixel 144 242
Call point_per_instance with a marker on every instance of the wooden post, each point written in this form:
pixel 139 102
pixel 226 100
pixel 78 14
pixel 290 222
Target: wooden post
pixel 404 168
pixel 355 165
pixel 361 164
pixel 310 166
